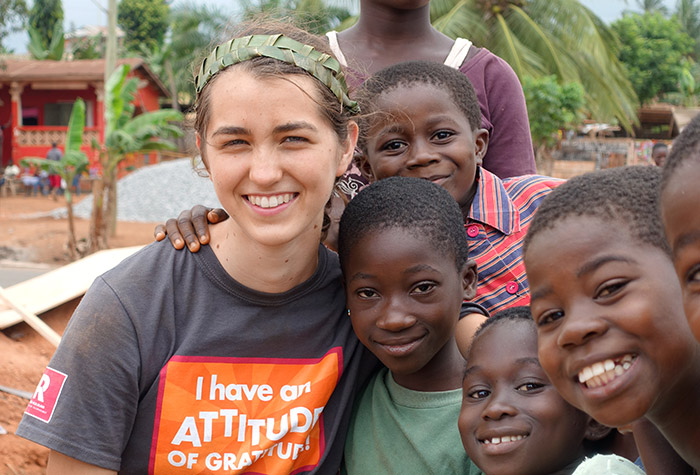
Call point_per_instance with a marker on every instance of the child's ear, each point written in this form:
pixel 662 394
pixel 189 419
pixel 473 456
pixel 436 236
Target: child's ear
pixel 469 279
pixel 595 430
pixel 364 166
pixel 481 144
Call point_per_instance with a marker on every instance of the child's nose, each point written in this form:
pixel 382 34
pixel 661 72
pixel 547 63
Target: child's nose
pixel 422 154
pixel 396 317
pixel 499 405
pixel 581 323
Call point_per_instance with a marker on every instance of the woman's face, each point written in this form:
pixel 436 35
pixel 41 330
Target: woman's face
pixel 271 155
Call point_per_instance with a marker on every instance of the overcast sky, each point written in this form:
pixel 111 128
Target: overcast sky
pixel 79 13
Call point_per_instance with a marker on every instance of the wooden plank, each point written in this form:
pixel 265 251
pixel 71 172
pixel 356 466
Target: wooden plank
pixel 61 285
pixel 32 320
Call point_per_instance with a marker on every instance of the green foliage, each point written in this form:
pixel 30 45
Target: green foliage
pixel 144 22
pixel 13 14
pixel 688 87
pixel 543 37
pixel 652 49
pixel 688 15
pixel 652 6
pixel 314 16
pixel 91 47
pixel 551 106
pixel 37 43
pixel 124 133
pixel 43 17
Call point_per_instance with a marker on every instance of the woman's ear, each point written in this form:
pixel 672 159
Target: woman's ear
pixel 202 154
pixel 469 279
pixel 348 148
pixel 481 144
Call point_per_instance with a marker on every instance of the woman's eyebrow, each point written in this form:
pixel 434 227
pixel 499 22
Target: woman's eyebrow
pixel 291 126
pixel 230 130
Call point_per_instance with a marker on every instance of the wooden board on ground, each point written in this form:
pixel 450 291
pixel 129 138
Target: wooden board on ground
pixel 56 287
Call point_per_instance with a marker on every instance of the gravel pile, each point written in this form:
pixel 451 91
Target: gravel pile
pixel 155 193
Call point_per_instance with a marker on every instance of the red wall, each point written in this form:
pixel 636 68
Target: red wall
pixel 146 100
pixel 146 97
pixel 5 116
pixel 37 98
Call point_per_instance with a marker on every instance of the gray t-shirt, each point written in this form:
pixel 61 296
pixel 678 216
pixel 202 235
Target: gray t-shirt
pixel 170 366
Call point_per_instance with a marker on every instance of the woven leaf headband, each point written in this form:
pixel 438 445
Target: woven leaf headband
pixel 322 66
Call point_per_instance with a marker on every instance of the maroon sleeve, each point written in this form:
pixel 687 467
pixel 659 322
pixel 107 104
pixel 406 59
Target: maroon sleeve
pixel 504 115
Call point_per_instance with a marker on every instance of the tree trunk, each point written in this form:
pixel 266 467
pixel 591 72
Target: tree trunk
pixel 111 205
pixel 98 238
pixel 172 85
pixel 72 243
pixel 544 160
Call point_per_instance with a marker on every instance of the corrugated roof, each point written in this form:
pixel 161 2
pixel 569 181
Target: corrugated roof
pixel 27 70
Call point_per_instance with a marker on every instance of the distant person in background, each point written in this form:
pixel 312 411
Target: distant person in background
pixel 658 153
pixel 54 180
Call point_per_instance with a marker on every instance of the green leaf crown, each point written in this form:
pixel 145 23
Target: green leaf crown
pixel 320 65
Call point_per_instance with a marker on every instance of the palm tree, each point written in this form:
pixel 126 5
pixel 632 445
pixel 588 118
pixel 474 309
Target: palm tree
pixel 315 16
pixel 72 164
pixel 652 6
pixel 124 135
pixel 541 37
pixel 688 15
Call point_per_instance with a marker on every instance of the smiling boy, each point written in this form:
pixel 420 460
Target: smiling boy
pixel 405 264
pixel 422 120
pixel 612 334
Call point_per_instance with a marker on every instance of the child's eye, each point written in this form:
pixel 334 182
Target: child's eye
pixel 693 275
pixel 443 134
pixel 393 145
pixel 609 289
pixel 479 394
pixel 424 287
pixel 549 317
pixel 530 386
pixel 367 293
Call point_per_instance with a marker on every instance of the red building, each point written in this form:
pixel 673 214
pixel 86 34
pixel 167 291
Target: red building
pixel 36 98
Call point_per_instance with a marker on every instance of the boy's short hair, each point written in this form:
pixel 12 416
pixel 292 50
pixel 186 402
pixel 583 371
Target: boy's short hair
pixel 658 146
pixel 411 73
pixel 413 204
pixel 625 194
pixel 511 313
pixel 686 148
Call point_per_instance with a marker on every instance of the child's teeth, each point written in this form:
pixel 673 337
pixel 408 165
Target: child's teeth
pixel 598 369
pixel 505 438
pixel 585 375
pixel 601 373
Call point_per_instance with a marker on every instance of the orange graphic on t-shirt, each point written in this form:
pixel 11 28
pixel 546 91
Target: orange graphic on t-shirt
pixel 242 415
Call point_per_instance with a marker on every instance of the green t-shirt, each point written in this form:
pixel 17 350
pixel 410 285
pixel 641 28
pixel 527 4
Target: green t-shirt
pixel 394 430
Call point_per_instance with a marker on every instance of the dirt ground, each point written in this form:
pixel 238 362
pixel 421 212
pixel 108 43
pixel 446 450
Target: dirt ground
pixel 24 352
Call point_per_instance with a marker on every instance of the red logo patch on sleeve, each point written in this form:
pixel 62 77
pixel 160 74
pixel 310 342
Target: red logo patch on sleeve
pixel 46 395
